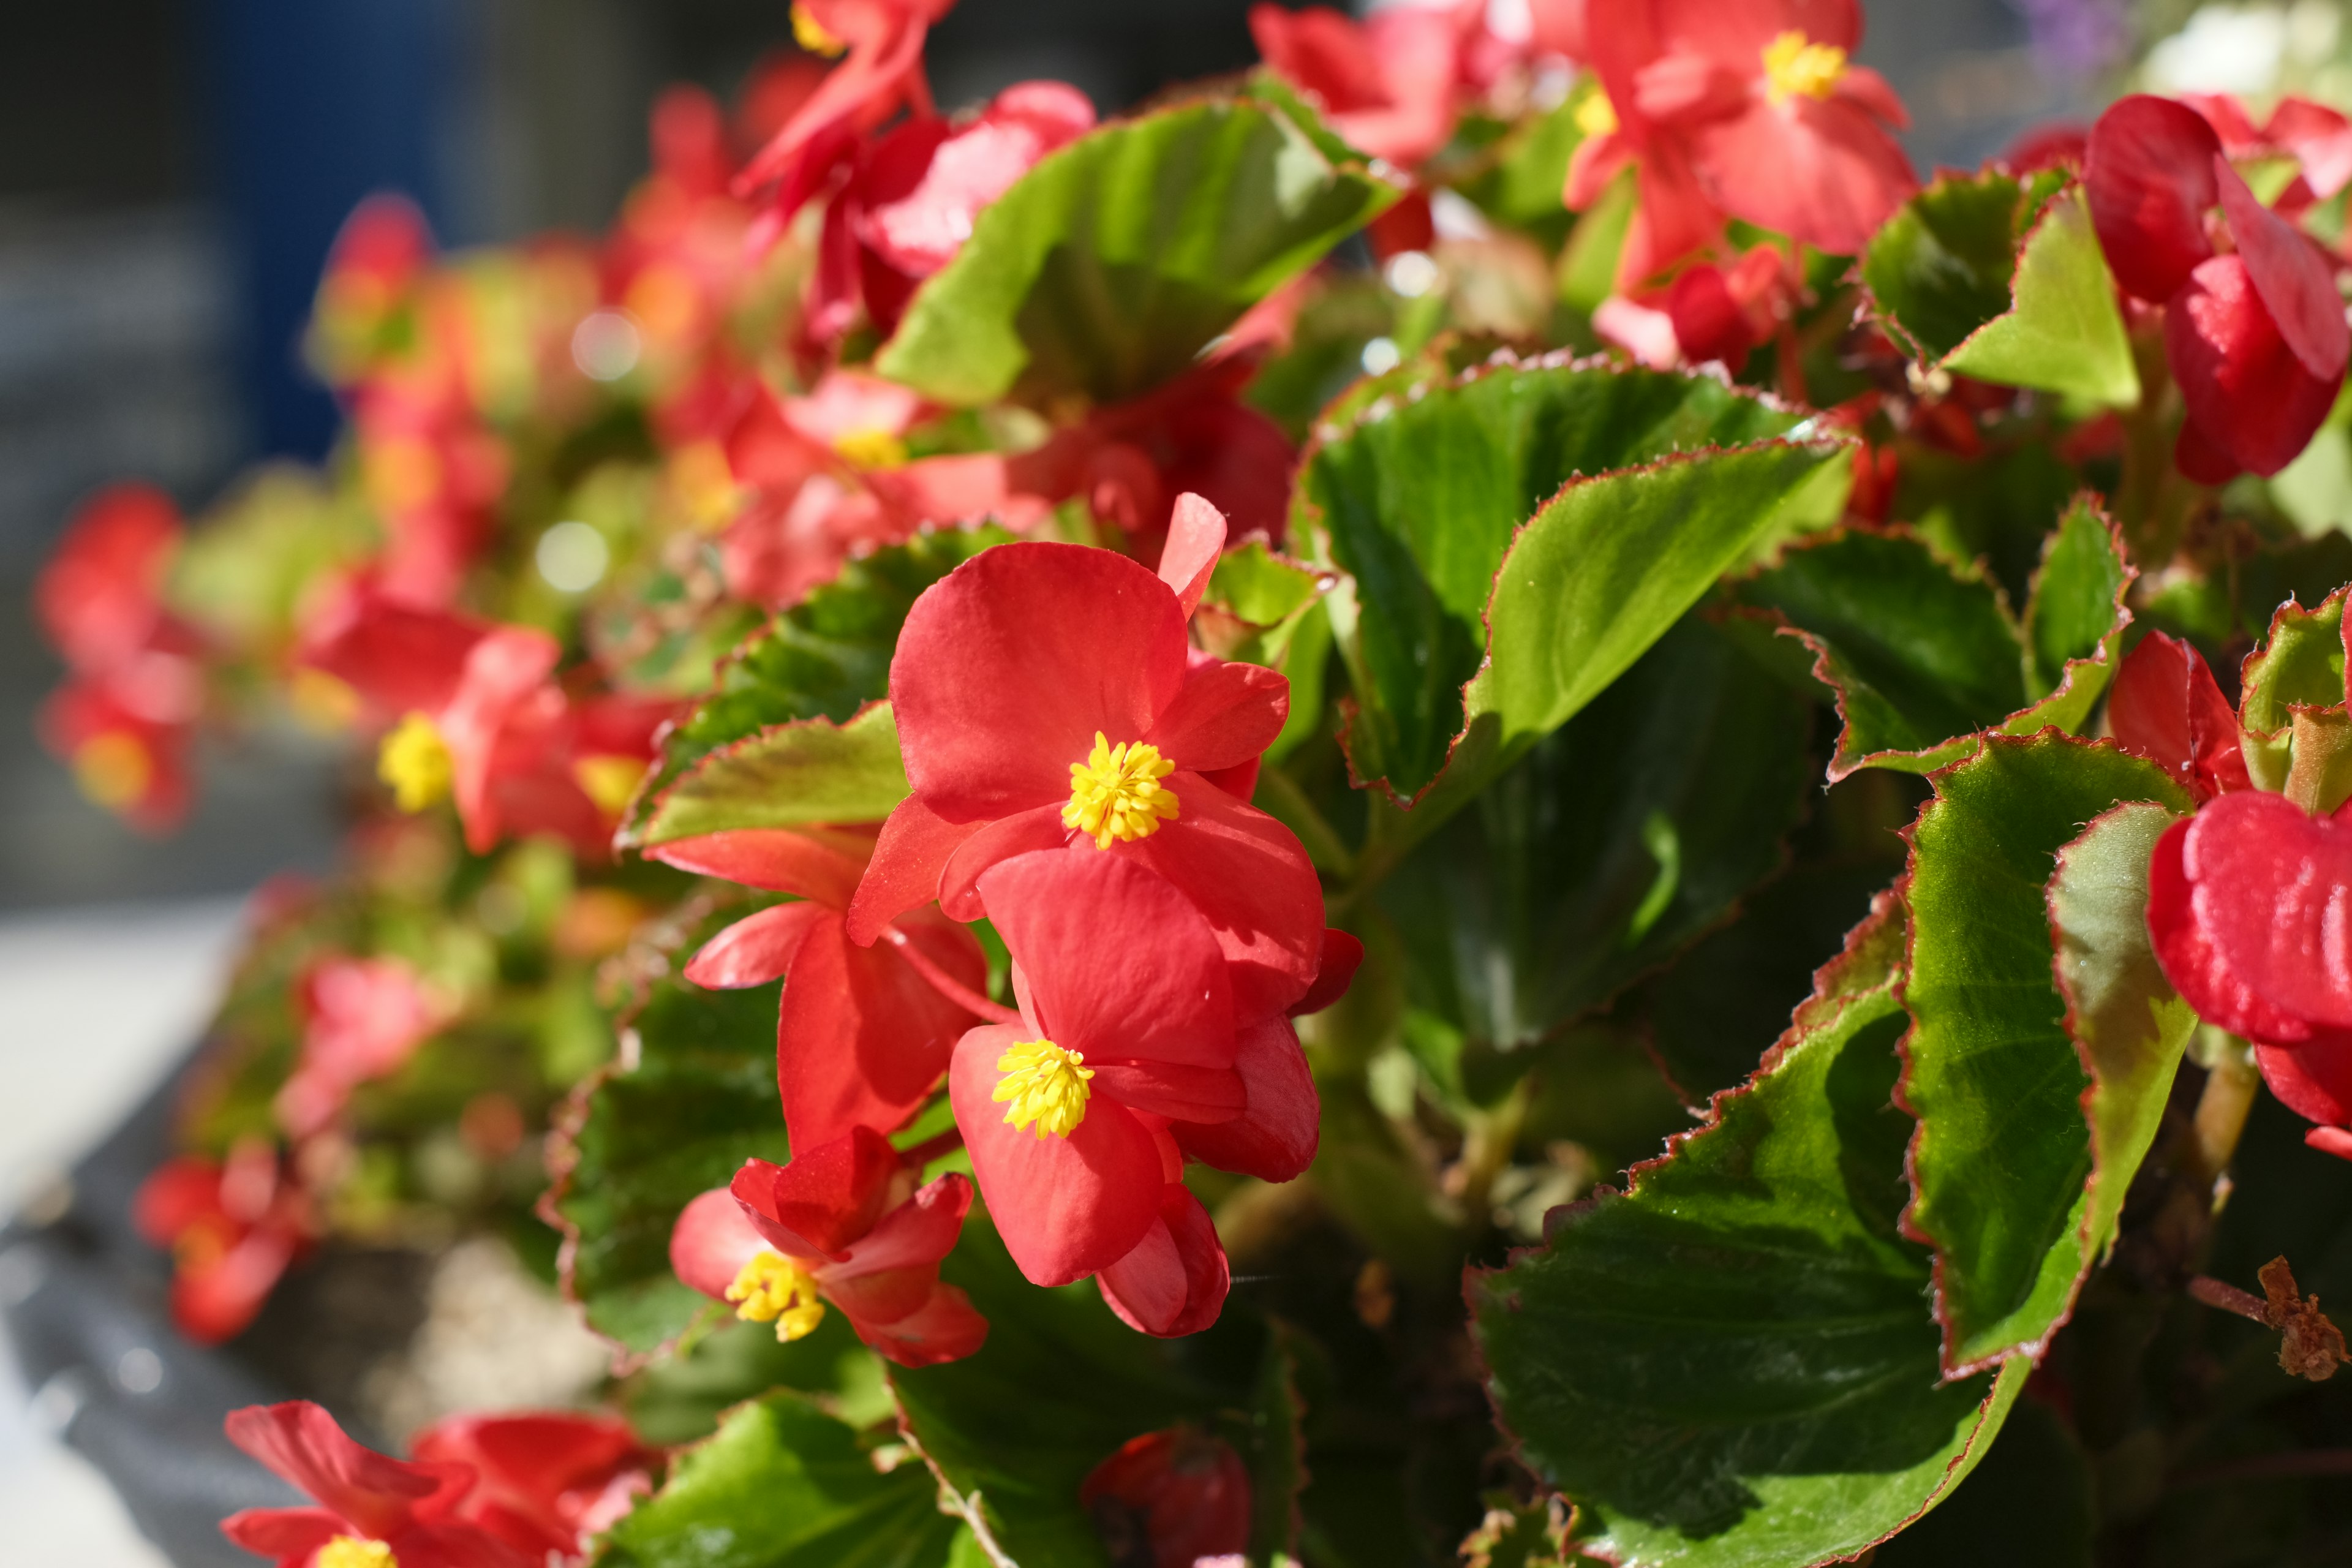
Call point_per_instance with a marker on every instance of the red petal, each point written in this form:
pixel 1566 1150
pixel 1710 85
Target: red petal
pixel 398 658
pixel 1171 1089
pixel 380 1494
pixel 1248 877
pixel 1342 955
pixel 861 1037
pixel 2247 392
pixel 2320 138
pixel 818 863
pixel 2150 179
pixel 2335 1140
pixel 711 1241
pixel 2314 1082
pixel 1824 171
pixel 763 448
pixel 945 1327
pixel 904 874
pixel 181 1191
pixel 827 1197
pixel 1010 666
pixel 758 948
pixel 2298 288
pixel 1024 833
pixel 1066 1206
pixel 2249 908
pixel 1174 1281
pixel 1119 966
pixel 922 1230
pixel 2166 706
pixel 1225 714
pixel 1196 533
pixel 1274 1137
pixel 216 1303
pixel 1708 322
pixel 289 1534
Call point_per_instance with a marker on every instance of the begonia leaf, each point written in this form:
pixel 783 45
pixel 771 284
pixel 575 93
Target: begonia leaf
pixel 785 1485
pixel 787 775
pixel 1011 1431
pixel 1668 480
pixel 2301 665
pixel 696 1098
pixel 827 657
pixel 2076 607
pixel 2064 332
pixel 2013 1188
pixel 1106 268
pixel 1941 268
pixel 1733 1364
pixel 1922 655
pixel 1617 839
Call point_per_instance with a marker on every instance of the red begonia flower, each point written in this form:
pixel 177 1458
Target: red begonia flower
pixel 1047 693
pixel 126 735
pixel 862 1035
pixel 546 1483
pixel 2165 706
pixel 1388 84
pixel 910 202
pixel 362 1497
pixel 1749 107
pixel 2256 338
pixel 1274 1137
pixel 362 1019
pixel 883 73
pixel 842 1223
pixel 1126 1023
pixel 2245 907
pixel 1171 1499
pixel 1173 1281
pixel 233 1230
pixel 101 596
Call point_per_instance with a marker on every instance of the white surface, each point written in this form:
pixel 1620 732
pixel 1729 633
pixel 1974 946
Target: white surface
pixel 94 1004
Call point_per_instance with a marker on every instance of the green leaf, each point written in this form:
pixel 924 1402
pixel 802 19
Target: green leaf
pixel 1733 1364
pixel 2301 665
pixel 787 775
pixel 2128 1023
pixel 1614 843
pixel 2004 1153
pixel 2077 603
pixel 828 657
pixel 1107 268
pixel 1449 512
pixel 784 1485
pixel 697 1099
pixel 2065 333
pixel 1940 266
pixel 2027 1505
pixel 1013 1430
pixel 1518 179
pixel 1922 655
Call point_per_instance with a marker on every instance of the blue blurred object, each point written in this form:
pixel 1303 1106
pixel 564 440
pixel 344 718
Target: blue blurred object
pixel 316 103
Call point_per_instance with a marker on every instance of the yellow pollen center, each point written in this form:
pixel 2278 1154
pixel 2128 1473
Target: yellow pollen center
pixel 772 1288
pixel 1596 116
pixel 870 450
pixel 351 1552
pixel 812 35
pixel 415 762
pixel 1793 66
pixel 1117 794
pixel 1046 1084
pixel 609 779
pixel 112 769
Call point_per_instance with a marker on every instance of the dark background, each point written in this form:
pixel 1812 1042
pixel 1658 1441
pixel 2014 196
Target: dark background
pixel 171 173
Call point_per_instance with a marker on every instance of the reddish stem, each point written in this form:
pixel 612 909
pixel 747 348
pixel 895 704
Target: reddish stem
pixel 946 985
pixel 2230 1299
pixel 931 1149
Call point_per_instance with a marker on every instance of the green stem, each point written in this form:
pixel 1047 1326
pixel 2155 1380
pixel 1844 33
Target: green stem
pixel 1288 805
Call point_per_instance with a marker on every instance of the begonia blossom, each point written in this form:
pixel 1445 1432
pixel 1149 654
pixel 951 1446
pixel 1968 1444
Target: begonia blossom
pixel 1390 84
pixel 2254 332
pixel 1172 1498
pixel 545 1483
pixel 863 1036
pixel 362 1019
pixel 2166 706
pixel 234 1228
pixel 843 1225
pixel 1045 694
pixel 373 1510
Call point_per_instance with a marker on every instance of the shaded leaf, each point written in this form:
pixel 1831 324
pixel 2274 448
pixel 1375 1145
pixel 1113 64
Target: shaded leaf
pixel 2003 1155
pixel 2027 1505
pixel 784 1485
pixel 2077 602
pixel 1106 268
pixel 1733 1363
pixel 1940 266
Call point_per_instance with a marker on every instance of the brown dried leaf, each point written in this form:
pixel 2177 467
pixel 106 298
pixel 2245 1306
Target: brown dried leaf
pixel 2311 1346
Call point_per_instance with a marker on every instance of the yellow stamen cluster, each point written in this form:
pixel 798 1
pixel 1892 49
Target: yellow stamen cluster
pixel 1793 65
pixel 813 36
pixel 415 762
pixel 772 1288
pixel 870 450
pixel 1117 794
pixel 351 1552
pixel 113 769
pixel 609 779
pixel 1047 1085
pixel 1596 116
